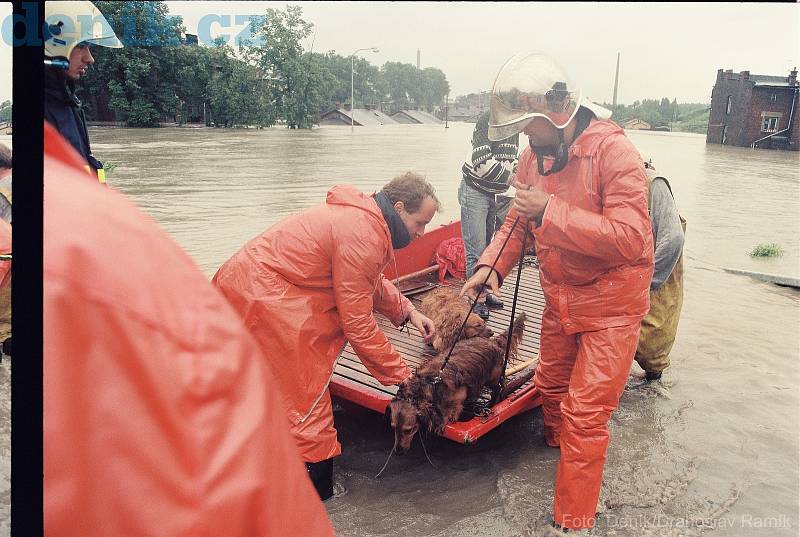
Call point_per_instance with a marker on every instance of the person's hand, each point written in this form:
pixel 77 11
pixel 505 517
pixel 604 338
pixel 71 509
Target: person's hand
pixel 530 202
pixel 424 325
pixel 472 288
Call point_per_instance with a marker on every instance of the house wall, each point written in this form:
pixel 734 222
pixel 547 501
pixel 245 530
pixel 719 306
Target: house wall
pixel 748 102
pixel 761 102
pixel 728 84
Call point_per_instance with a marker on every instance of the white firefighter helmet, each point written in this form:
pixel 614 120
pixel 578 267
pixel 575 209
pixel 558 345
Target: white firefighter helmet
pixel 530 85
pixel 73 22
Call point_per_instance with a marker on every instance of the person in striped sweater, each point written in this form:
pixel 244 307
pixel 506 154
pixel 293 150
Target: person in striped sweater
pixel 484 196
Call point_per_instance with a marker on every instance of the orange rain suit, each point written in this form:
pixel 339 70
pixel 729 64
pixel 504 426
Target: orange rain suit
pixel 595 249
pixel 161 417
pixel 306 285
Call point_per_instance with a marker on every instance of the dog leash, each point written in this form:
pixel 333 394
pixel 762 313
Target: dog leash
pixel 438 378
pixel 502 383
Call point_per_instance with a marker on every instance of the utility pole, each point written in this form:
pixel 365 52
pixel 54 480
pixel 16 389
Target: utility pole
pixel 616 82
pixel 417 59
pixel 446 103
pixel 352 70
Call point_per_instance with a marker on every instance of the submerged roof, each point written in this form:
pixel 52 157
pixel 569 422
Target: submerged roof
pixel 362 116
pixel 419 116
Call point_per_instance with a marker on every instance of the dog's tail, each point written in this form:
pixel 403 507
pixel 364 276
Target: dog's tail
pixel 516 333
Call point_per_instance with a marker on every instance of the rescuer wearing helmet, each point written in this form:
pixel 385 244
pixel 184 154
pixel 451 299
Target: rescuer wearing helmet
pixel 69 31
pixel 582 193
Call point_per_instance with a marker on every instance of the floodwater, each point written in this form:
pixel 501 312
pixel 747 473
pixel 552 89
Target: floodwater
pixel 712 449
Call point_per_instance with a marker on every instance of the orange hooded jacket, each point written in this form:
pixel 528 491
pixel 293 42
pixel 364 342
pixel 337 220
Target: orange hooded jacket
pixel 161 417
pixel 595 243
pixel 312 281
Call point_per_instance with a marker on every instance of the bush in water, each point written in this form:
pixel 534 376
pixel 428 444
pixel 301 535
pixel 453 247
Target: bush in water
pixel 767 250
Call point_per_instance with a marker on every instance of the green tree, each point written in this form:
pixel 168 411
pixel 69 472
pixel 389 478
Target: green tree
pixel 136 83
pixel 434 87
pixel 401 84
pixel 292 79
pixel 235 92
pixel 5 111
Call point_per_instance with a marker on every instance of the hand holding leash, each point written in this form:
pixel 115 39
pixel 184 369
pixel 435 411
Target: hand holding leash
pixel 475 287
pixel 529 202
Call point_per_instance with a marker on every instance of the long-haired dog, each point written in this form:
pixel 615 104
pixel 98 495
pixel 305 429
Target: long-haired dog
pixel 474 363
pixel 447 310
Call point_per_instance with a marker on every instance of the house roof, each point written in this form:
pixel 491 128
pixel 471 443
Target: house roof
pixel 780 83
pixel 767 79
pixel 634 121
pixel 362 116
pixel 420 116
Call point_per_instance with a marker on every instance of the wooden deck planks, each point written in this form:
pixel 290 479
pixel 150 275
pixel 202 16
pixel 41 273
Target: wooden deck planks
pixel 414 350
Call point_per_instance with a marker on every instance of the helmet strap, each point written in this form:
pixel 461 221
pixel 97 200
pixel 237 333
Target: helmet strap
pixel 560 154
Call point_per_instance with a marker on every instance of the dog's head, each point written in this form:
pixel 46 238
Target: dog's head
pixel 476 326
pixel 405 422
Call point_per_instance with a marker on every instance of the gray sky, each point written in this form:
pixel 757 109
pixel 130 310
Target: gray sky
pixel 667 49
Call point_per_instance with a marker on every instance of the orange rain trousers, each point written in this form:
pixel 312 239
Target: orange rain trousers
pixel 595 250
pixel 161 417
pixel 581 383
pixel 304 287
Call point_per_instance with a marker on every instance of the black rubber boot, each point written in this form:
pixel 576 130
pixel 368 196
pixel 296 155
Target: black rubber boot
pixel 7 347
pixel 492 302
pixel 652 375
pixel 482 310
pixel 321 474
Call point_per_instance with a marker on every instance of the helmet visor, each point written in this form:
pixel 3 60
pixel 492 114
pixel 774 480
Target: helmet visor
pixel 529 86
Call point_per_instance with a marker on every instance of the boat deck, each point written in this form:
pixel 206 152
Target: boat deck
pixel 352 381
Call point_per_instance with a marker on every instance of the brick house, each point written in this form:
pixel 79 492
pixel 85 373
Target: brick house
pixel 754 111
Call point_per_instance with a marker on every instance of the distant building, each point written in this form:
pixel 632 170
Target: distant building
pixel 416 117
pixel 463 113
pixel 636 124
pixel 360 117
pixel 754 110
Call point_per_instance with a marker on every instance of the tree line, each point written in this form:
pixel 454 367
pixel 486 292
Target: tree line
pixel 274 82
pixel 684 117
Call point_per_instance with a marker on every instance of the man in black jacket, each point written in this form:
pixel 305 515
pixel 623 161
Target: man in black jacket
pixel 72 27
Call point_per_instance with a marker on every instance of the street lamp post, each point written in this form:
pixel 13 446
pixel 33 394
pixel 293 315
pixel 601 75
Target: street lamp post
pixel 352 70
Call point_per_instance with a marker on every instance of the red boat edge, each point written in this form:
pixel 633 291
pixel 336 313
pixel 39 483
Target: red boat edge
pixel 413 258
pixel 464 432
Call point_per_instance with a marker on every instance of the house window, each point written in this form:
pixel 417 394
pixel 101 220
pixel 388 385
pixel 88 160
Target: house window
pixel 769 123
pixel 724 134
pixel 773 98
pixel 728 110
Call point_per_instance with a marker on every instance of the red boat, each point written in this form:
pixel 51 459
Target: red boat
pixel 351 380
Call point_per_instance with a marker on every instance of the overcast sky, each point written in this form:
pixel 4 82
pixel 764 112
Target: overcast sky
pixel 667 49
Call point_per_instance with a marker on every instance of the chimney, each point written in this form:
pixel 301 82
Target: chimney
pixel 792 78
pixel 744 75
pixel 729 74
pixel 719 74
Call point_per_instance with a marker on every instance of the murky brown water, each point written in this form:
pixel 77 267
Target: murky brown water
pixel 712 450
